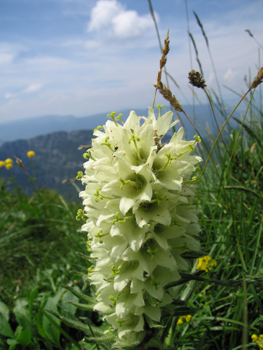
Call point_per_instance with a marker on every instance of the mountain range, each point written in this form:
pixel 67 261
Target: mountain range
pixel 57 156
pixel 31 127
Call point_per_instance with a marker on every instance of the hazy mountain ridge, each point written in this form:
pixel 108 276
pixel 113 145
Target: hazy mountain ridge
pixel 57 155
pixel 32 127
pixel 57 158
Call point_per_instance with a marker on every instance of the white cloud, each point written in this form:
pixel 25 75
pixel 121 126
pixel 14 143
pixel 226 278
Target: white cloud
pixel 29 89
pixel 91 44
pixel 122 24
pixel 72 42
pixel 6 58
pixel 229 75
pixel 33 88
pixel 210 78
pixel 129 24
pixel 103 13
pixel 7 96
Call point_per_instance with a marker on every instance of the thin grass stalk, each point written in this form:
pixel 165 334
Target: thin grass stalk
pixel 217 138
pixel 260 91
pixel 245 316
pixel 211 57
pixel 252 36
pixel 158 35
pixel 204 145
pixel 213 112
pixel 196 53
pixel 189 47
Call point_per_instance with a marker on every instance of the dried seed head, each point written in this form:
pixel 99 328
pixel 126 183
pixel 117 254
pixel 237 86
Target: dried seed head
pixel 165 50
pixel 258 79
pixel 167 94
pixel 19 162
pixel 166 46
pixel 196 79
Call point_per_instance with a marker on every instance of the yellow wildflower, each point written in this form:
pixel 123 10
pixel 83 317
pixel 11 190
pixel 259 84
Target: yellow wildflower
pixel 206 263
pixel 181 319
pixel 8 165
pixel 8 161
pixel 257 340
pixel 2 163
pixel 31 154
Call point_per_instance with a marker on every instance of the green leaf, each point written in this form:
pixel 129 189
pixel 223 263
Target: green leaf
pixel 244 189
pixel 24 338
pixel 53 333
pixel 193 254
pixel 3 345
pixel 39 322
pixel 182 311
pixel 66 335
pixel 4 310
pixel 5 328
pixel 76 324
pixel 154 344
pixel 12 343
pixel 69 302
pixel 23 316
pixel 31 299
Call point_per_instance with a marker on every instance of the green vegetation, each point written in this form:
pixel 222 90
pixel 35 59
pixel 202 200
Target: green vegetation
pixel 39 238
pixel 38 245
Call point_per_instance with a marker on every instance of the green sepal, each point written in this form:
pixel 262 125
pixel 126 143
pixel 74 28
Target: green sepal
pixel 73 324
pixel 83 256
pixel 81 296
pixel 85 328
pixel 152 324
pixel 81 306
pixel 100 340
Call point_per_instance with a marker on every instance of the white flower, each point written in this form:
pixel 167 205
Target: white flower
pixel 142 215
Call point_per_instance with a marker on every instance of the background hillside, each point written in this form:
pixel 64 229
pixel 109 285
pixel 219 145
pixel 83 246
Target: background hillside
pixel 31 127
pixel 57 155
pixel 57 158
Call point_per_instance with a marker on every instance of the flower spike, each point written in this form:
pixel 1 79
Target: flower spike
pixel 141 213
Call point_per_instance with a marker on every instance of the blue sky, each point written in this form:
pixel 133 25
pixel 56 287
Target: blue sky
pixel 83 57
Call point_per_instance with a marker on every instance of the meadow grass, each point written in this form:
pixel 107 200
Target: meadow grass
pixel 39 239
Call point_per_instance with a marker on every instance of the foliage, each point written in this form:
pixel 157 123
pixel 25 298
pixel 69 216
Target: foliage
pixel 38 245
pixel 222 304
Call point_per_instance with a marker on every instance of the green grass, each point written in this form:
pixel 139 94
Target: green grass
pixel 39 239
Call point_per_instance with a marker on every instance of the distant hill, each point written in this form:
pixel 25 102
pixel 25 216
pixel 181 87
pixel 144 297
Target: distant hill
pixel 28 128
pixel 57 155
pixel 57 158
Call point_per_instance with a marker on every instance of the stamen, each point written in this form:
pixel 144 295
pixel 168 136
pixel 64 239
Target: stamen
pixel 134 139
pixel 160 109
pixel 106 143
pixel 88 155
pixel 112 115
